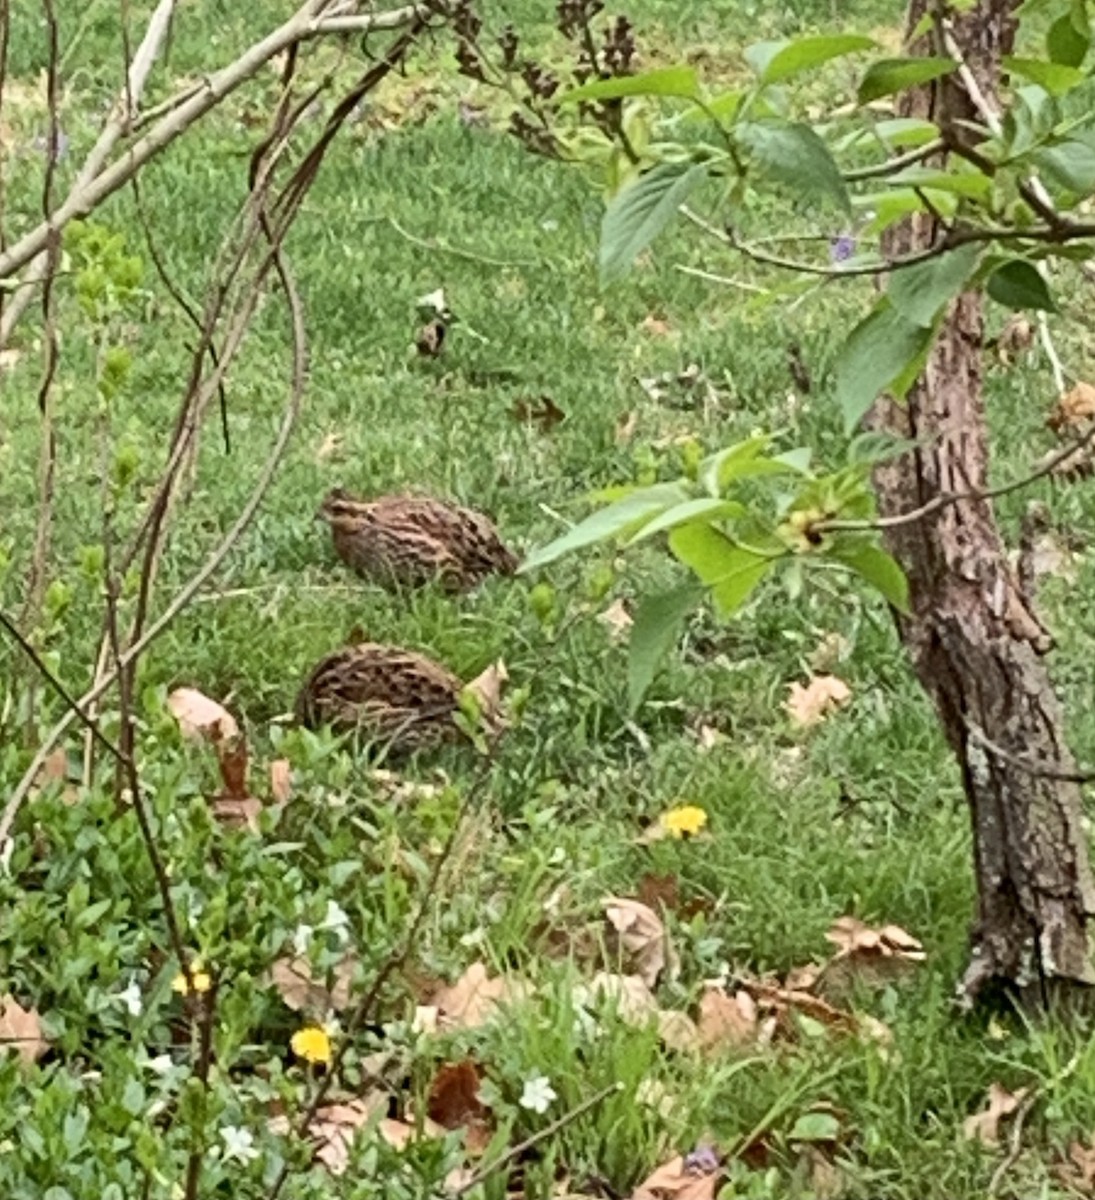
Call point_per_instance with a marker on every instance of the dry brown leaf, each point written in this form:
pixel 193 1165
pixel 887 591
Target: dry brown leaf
pixel 330 446
pixel 281 780
pixel 1016 337
pixel 870 956
pixel 1074 409
pixel 811 704
pixel 626 424
pixel 454 1103
pixel 827 1180
pixel 55 770
pixel 200 717
pixel 617 620
pixel 21 1030
pixel 542 412
pixel 487 688
pixel 727 1022
pixel 642 936
pixel 237 814
pixel 984 1126
pixel 1077 1171
pixel 633 1000
pixel 678 1031
pixel 659 891
pixel 475 998
pixel 292 978
pixel 232 757
pixel 655 326
pixel 676 1181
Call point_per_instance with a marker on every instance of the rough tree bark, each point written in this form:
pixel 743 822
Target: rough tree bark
pixel 976 645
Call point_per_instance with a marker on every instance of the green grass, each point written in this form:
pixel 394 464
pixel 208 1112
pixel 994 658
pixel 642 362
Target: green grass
pixel 575 781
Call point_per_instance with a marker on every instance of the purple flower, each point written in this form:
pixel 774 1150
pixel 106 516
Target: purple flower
pixel 702 1161
pixel 841 248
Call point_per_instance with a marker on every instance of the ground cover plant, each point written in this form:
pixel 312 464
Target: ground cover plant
pixel 709 942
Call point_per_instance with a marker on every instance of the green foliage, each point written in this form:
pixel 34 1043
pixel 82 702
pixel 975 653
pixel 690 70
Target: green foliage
pixel 638 213
pixel 1020 285
pixel 775 61
pixel 890 75
pixel 790 153
pixel 876 355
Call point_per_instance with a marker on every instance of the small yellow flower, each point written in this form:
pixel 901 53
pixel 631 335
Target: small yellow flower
pixel 200 980
pixel 683 821
pixel 312 1044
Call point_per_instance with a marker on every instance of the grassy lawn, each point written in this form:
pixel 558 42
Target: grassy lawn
pixel 861 815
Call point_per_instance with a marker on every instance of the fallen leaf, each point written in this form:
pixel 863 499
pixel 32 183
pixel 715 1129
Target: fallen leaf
pixel 984 1127
pixel 642 936
pixel 617 620
pixel 281 780
pixel 678 1031
pixel 334 1126
pixel 21 1030
pixel 1074 409
pixel 628 994
pixel 867 955
pixel 454 1103
pixel 659 891
pixel 431 339
pixel 543 412
pixel 1016 337
pixel 55 770
pixel 330 446
pixel 8 358
pixel 487 688
pixel 675 1180
pixel 626 424
pixel 232 758
pixel 237 814
pixel 475 998
pixel 1077 1171
pixel 200 717
pixel 727 1022
pixel 811 704
pixel 709 737
pixel 655 326
pixel 293 981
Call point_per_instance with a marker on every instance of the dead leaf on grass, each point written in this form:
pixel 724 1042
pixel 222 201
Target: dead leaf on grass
pixel 682 1179
pixel 868 955
pixel 984 1127
pixel 630 996
pixel 617 620
pixel 810 704
pixel 655 326
pixel 542 412
pixel 431 339
pixel 292 978
pixel 237 814
pixel 475 998
pixel 640 933
pixel 487 686
pixel 200 717
pixel 1077 1171
pixel 55 770
pixel 727 1022
pixel 21 1030
pixel 626 424
pixel 454 1103
pixel 8 358
pixel 329 447
pixel 281 780
pixel 1074 409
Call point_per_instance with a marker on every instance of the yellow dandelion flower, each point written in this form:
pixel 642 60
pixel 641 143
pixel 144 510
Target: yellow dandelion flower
pixel 312 1044
pixel 683 821
pixel 200 981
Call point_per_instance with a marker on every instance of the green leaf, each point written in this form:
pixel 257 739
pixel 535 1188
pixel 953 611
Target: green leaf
pixel 731 571
pixel 907 131
pixel 877 352
pixel 1068 40
pixel 793 154
pixel 1070 164
pixel 609 522
pixel 961 180
pixel 815 1127
pixel 665 81
pixel 1018 284
pixel 773 61
pixel 636 215
pixel 690 510
pixel 658 621
pixel 920 291
pixel 711 471
pixel 1056 78
pixel 879 569
pixel 890 75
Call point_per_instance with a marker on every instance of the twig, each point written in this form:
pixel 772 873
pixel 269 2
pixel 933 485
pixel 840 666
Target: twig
pixel 1040 770
pixel 932 506
pixel 392 964
pixel 82 199
pixel 492 1168
pixel 1015 1143
pixel 898 163
pixel 711 277
pixel 120 114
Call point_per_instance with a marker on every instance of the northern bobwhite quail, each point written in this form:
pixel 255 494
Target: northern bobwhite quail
pixel 407 541
pixel 394 696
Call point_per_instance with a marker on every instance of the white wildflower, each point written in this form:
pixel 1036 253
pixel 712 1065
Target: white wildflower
pixel 239 1144
pixel 302 939
pixel 130 997
pixel 337 920
pixel 538 1094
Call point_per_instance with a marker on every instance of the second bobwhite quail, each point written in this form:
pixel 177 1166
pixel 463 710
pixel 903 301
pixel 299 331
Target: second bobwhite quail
pixel 392 695
pixel 407 541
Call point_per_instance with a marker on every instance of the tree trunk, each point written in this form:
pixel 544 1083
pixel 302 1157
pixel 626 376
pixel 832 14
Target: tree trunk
pixel 975 644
